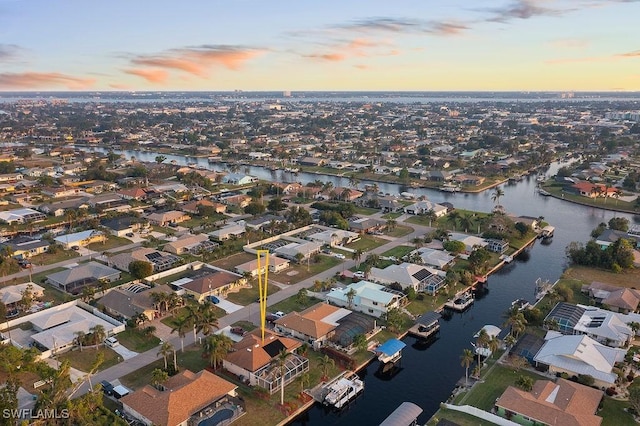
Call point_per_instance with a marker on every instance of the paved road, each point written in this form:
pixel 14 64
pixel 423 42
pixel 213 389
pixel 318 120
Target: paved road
pixel 248 313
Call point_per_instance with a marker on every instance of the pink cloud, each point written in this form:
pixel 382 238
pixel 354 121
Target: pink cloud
pixel 332 57
pixel 37 80
pixel 634 54
pixel 151 75
pixel 198 60
pixel 356 48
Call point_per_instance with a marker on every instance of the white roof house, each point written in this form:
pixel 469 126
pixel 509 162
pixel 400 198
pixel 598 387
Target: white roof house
pixel 21 216
pixel 228 231
pixel 421 278
pixel 80 238
pixel 470 242
pixel 307 249
pixel 422 207
pixel 579 354
pixel 13 294
pixel 334 237
pixel 604 326
pixel 372 299
pixel 436 258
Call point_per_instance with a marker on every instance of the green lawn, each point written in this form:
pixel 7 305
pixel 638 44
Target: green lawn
pixel 110 243
pixel 249 295
pixel 429 303
pixel 558 191
pixel 613 413
pixel 135 340
pixel 367 211
pixel 291 304
pixel 190 359
pixel 421 220
pixel 399 231
pixel 392 216
pixel 484 394
pixel 85 359
pixel 305 271
pixel 230 262
pixel 246 325
pixel 462 419
pixel 367 242
pixel 398 251
pixel 49 258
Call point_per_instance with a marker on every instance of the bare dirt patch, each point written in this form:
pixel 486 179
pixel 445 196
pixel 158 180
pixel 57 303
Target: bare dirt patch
pixel 629 279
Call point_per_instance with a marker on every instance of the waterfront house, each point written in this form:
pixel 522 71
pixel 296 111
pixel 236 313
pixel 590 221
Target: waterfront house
pixel 254 360
pixel 497 246
pixel 423 207
pixel 420 278
pixel 239 179
pixel 369 298
pixel 21 216
pixel 563 403
pixel 616 299
pixel 314 325
pixel 470 242
pixel 184 399
pixel 579 354
pixel 437 258
pixel 610 236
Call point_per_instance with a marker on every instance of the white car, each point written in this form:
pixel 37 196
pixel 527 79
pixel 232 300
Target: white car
pixel 339 255
pixel 112 342
pixel 358 274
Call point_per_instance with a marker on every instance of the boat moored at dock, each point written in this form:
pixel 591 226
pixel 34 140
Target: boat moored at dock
pixel 426 326
pixel 461 302
pixel 343 390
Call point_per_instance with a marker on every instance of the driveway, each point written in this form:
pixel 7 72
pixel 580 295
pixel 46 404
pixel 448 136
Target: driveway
pixel 228 306
pixel 124 352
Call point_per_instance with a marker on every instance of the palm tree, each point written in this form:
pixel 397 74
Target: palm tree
pixel 180 326
pixel 99 334
pixel 165 350
pixel 304 378
pixel 453 218
pixel 617 195
pixel 207 319
pixel 193 314
pixel 466 359
pixel 493 344
pixel 351 294
pixel 497 194
pixel 216 347
pixel 467 221
pixel 357 255
pixel 325 364
pixel 282 365
pixel 80 335
pixel 517 322
pixel 481 342
pixel 431 215
pixel 391 224
pixel 345 194
pixel 158 377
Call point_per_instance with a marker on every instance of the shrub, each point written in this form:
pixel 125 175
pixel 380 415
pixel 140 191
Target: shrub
pixel 611 391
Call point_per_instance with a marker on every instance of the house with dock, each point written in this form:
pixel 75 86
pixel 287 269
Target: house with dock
pixel 367 297
pixel 420 278
pixel 315 325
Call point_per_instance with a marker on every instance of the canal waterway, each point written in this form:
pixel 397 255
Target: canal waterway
pixel 427 375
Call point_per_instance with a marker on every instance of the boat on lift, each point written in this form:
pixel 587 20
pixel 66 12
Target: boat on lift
pixel 344 390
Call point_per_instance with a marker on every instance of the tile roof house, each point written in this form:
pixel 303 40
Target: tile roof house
pixel 563 403
pixel 133 194
pixel 276 264
pixel 217 283
pixel 253 359
pixel 579 354
pixel 190 244
pixel 617 299
pixel 165 218
pixel 188 398
pixel 194 206
pixel 73 280
pixel 437 258
pixel 314 325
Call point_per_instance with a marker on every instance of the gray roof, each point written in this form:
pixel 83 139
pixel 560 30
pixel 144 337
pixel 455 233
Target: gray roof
pixel 404 415
pixel 88 270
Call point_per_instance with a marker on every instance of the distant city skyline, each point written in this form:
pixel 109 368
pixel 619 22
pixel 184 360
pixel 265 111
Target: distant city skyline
pixel 414 45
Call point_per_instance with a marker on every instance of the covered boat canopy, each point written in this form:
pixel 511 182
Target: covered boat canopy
pixel 405 415
pixel 428 318
pixel 491 330
pixel 391 347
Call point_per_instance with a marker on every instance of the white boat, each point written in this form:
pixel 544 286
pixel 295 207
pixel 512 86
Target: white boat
pixel 343 390
pixel 521 304
pixel 547 231
pixel 449 188
pixel 543 192
pixel 506 259
pixel 408 195
pixel 461 302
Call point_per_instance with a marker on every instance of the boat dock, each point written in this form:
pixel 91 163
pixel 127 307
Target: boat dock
pixel 461 302
pixel 405 415
pixel 426 325
pixel 319 393
pixel 390 351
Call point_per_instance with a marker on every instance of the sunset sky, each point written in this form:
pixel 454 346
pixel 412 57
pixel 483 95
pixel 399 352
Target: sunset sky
pixel 580 45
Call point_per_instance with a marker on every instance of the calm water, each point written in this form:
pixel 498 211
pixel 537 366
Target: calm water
pixel 428 375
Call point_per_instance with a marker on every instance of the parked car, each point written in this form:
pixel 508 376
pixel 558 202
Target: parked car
pixel 358 274
pixel 129 234
pixel 76 248
pixel 272 317
pixel 107 387
pixel 339 255
pixel 213 299
pixel 279 314
pixel 238 331
pixel 112 342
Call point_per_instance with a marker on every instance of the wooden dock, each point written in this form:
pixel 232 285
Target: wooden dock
pixel 426 325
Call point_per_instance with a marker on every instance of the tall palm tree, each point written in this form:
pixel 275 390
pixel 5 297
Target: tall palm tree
pixel 357 255
pixel 164 351
pixel 193 314
pixel 207 319
pixel 467 221
pixel 453 218
pixel 517 322
pixel 99 334
pixel 351 294
pixel 80 335
pixel 304 378
pixel 496 195
pixel 431 215
pixel 493 344
pixel 391 224
pixel 180 326
pixel 481 342
pixel 466 359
